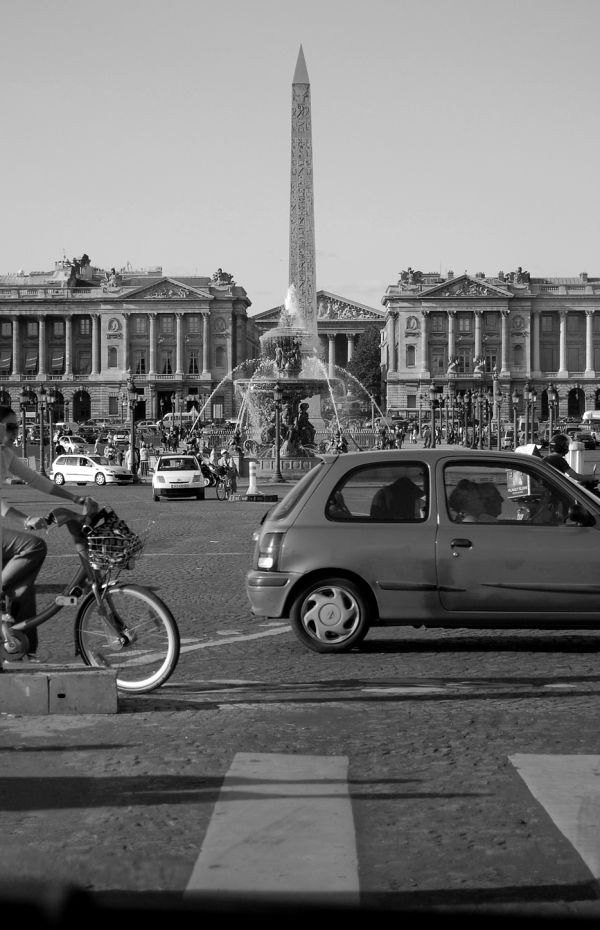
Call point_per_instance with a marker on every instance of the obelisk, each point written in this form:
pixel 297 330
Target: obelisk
pixel 302 272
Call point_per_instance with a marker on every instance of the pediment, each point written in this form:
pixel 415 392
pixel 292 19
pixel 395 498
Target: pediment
pixel 465 286
pixel 167 289
pixel 329 307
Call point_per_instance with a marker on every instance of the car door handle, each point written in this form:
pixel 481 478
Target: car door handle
pixel 461 543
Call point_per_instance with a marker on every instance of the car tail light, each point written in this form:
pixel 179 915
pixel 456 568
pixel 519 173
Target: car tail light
pixel 269 549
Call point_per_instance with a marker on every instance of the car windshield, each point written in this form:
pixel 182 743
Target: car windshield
pixel 99 459
pixel 177 463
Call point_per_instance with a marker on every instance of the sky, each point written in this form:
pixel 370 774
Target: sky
pixel 454 135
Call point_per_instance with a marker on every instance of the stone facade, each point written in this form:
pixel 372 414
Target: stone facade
pixel 79 330
pixel 502 332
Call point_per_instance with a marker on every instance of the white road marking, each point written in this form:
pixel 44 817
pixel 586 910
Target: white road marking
pixel 282 824
pixel 568 788
pixel 233 639
pixel 408 690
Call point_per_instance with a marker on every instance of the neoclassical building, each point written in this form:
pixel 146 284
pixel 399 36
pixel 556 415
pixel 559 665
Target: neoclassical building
pixel 463 332
pixel 79 330
pixel 339 323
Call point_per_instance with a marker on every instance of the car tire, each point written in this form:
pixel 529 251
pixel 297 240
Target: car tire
pixel 200 497
pixel 100 479
pixel 58 478
pixel 330 615
pixel 156 498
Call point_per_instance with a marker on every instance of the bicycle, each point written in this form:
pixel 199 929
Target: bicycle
pixel 121 626
pixel 223 488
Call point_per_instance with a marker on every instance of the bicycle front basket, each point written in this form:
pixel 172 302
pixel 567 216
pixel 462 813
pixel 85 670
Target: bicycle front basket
pixel 112 548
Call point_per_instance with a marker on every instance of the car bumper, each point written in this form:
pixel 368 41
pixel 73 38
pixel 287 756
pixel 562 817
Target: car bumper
pixel 188 490
pixel 269 591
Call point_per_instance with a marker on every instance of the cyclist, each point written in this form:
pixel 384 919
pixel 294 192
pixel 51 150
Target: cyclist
pixel 230 469
pixel 23 553
pixel 559 446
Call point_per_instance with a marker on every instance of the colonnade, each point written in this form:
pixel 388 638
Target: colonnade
pixel 331 363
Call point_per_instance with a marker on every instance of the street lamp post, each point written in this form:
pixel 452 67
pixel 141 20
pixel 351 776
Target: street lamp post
pixel 278 397
pixel 432 396
pixel 52 399
pixel 23 400
pixel 515 404
pixel 41 412
pixel 496 405
pixel 489 397
pixel 132 398
pixel 552 400
pixel 467 395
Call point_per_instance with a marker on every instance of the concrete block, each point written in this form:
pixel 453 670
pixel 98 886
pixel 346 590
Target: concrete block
pixel 23 692
pixel 82 691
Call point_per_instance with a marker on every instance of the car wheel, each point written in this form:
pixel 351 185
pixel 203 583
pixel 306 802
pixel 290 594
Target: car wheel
pixel 59 479
pixel 156 499
pixel 330 615
pixel 200 497
pixel 100 478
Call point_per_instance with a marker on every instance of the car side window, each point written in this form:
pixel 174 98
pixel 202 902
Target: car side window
pixel 382 493
pixel 477 493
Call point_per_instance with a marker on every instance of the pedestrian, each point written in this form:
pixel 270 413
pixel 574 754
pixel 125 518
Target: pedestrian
pixel 59 449
pixel 131 459
pixel 97 446
pixel 144 456
pixel 426 437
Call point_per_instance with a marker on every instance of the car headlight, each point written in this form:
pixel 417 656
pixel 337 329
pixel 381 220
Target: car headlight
pixel 197 479
pixel 159 479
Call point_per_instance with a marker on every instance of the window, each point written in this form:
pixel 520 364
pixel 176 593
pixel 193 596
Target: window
pixel 6 330
pixel 492 321
pixel 57 362
pixel 438 361
pixel 437 322
pixel 5 363
pixel 166 362
pixel 518 356
pixel 193 363
pixel 548 322
pixel 382 494
pixel 410 356
pixel 140 325
pixel 465 360
pixel 193 324
pixel 477 493
pixel 113 406
pixel 576 358
pixel 220 357
pixel 166 325
pixel 112 357
pixel 411 401
pixel 58 328
pixel 85 326
pixel 139 361
pixel 490 362
pixel 83 362
pixel 464 322
pixel 575 324
pixel 32 329
pixel 31 362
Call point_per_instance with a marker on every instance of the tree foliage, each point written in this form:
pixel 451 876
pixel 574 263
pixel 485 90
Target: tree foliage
pixel 365 363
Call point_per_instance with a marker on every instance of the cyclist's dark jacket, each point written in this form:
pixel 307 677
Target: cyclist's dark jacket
pixel 557 461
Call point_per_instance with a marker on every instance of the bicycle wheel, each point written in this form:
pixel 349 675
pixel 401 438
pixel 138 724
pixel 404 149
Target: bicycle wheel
pixel 152 653
pixel 221 490
pixel 228 491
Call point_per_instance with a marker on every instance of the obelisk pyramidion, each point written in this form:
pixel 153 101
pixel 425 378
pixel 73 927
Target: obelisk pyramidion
pixel 302 272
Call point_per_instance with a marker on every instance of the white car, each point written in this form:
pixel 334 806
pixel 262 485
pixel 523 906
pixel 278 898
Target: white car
pixel 72 443
pixel 84 469
pixel 178 475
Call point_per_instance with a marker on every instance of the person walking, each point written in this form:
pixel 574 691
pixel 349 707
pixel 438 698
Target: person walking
pixel 144 456
pixel 97 446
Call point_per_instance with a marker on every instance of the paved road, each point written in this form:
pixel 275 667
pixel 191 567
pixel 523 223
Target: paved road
pixel 448 770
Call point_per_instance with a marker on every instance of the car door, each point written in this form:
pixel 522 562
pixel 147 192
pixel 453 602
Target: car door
pixel 87 469
pixel 528 560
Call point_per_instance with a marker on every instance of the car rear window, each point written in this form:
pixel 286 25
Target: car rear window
pixel 295 494
pixel 382 493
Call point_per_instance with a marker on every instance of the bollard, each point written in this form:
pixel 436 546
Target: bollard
pixel 252 486
pixel 575 456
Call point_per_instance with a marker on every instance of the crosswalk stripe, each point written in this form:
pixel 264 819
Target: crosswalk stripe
pixel 282 825
pixel 568 787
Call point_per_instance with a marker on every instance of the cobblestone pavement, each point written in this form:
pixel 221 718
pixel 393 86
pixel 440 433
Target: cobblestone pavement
pixel 431 724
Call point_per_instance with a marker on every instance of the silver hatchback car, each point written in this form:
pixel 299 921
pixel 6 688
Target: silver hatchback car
pixel 435 538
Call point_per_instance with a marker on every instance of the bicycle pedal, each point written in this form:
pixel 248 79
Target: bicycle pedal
pixel 66 600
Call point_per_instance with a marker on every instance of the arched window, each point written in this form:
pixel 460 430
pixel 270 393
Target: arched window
pixel 518 356
pixel 220 356
pixel 410 356
pixel 112 357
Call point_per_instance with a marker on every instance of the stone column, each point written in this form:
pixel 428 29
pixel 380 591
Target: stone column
pixel 424 342
pixel 350 340
pixel 42 348
pixel 126 355
pixel 393 356
pixel 331 357
pixel 95 343
pixel 16 348
pixel 451 334
pixel 478 314
pixel 152 359
pixel 179 344
pixel 589 343
pixel 535 340
pixel 239 338
pixel 205 338
pixel 68 346
pixel 504 370
pixel 562 352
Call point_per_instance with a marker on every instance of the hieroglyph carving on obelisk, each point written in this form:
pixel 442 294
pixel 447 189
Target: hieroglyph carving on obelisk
pixel 302 214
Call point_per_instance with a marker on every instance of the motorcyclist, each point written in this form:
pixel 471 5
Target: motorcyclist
pixel 559 446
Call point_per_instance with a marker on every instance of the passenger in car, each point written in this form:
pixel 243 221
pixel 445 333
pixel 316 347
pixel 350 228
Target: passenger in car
pixel 466 502
pixel 336 507
pixel 401 500
pixel 492 502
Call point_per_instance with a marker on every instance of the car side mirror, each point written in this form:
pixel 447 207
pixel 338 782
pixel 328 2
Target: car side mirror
pixel 578 514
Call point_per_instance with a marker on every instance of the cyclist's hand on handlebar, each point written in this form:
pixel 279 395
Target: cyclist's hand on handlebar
pixel 36 523
pixel 91 506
